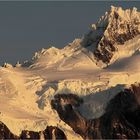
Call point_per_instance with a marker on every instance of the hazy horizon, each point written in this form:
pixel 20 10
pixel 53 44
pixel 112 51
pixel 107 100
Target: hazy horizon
pixel 27 27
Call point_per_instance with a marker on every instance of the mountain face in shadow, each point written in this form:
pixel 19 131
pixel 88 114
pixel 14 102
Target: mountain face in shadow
pixel 120 121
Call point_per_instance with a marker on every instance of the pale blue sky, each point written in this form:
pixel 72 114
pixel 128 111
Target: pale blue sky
pixel 26 27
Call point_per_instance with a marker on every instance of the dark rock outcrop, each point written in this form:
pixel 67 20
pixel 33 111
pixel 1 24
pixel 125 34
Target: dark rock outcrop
pixel 120 121
pixel 5 132
pixel 25 134
pixel 66 104
pixel 51 132
pixel 122 117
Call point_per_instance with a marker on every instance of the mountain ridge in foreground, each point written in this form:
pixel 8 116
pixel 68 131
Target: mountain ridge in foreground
pixel 89 89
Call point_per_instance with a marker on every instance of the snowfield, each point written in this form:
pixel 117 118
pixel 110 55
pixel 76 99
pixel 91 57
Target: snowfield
pixel 26 91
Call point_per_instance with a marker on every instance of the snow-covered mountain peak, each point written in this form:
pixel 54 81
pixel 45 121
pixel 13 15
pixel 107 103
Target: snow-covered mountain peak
pixel 113 30
pixel 63 94
pixel 128 14
pixel 43 52
pixel 67 57
pixel 125 14
pixel 114 36
pixel 70 48
pixel 119 14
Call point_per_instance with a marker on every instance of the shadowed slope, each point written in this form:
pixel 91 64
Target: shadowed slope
pixel 120 121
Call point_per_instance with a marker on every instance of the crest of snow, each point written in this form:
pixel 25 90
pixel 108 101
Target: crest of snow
pixel 70 57
pixel 124 17
pixel 55 56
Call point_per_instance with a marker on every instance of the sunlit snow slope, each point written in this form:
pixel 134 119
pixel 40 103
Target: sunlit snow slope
pixel 96 68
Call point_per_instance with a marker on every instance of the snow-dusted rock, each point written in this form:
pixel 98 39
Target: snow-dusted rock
pixel 115 28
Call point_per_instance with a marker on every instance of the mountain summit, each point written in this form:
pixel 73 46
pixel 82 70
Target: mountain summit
pixel 112 32
pixel 114 36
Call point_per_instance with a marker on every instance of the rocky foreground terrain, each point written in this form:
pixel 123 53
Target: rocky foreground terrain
pixel 90 89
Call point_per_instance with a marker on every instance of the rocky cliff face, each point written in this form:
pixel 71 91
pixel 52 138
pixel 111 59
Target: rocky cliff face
pixel 114 28
pixel 120 121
